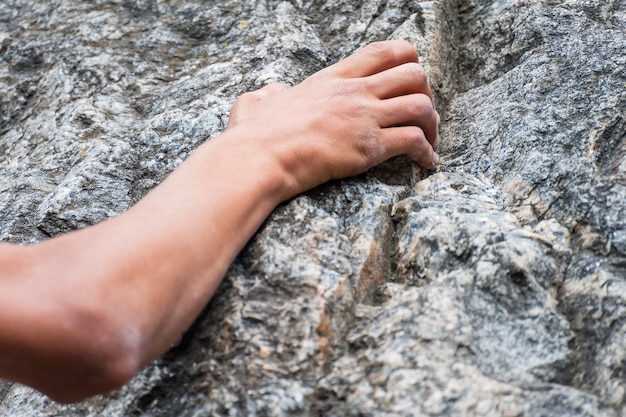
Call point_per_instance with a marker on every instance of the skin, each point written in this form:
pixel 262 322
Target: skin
pixel 80 314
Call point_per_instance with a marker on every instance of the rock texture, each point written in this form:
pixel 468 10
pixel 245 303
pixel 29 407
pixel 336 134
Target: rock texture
pixel 493 286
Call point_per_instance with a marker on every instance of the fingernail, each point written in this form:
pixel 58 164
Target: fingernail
pixel 435 158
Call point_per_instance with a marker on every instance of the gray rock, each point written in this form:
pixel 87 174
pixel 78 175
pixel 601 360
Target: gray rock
pixel 493 286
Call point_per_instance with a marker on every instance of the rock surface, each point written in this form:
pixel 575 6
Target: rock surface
pixel 493 286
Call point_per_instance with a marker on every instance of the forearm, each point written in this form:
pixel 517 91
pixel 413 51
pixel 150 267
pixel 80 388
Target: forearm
pixel 180 240
pixel 171 250
pixel 145 275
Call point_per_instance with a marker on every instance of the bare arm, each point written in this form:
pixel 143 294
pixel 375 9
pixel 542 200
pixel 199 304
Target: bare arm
pixel 80 314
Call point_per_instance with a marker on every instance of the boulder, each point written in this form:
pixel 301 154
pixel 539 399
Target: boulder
pixel 494 285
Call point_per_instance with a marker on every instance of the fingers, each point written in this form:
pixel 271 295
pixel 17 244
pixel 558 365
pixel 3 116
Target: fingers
pixel 391 72
pixel 404 79
pixel 374 58
pixel 409 140
pixel 409 99
pixel 413 109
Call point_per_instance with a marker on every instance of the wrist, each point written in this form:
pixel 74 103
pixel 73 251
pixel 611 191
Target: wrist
pixel 254 165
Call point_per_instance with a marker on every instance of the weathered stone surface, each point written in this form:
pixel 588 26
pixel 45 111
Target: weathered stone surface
pixel 494 286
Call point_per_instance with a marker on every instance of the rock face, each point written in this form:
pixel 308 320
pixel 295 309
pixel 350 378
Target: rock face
pixel 492 286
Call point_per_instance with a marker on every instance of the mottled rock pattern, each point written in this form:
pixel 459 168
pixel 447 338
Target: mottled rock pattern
pixel 493 286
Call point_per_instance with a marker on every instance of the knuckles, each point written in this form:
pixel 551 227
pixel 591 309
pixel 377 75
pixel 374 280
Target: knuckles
pixel 417 141
pixel 422 107
pixel 416 135
pixel 383 51
pixel 415 72
pixel 347 87
pixel 393 50
pixel 422 150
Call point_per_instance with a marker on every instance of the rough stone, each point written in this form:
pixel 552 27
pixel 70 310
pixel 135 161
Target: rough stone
pixel 492 286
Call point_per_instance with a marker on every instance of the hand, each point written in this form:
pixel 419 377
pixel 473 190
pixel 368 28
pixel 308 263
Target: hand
pixel 345 119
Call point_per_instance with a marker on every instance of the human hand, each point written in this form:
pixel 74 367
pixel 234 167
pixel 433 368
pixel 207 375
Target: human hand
pixel 345 119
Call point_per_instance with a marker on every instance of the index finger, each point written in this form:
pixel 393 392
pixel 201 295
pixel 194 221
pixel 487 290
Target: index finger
pixel 399 81
pixel 374 58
